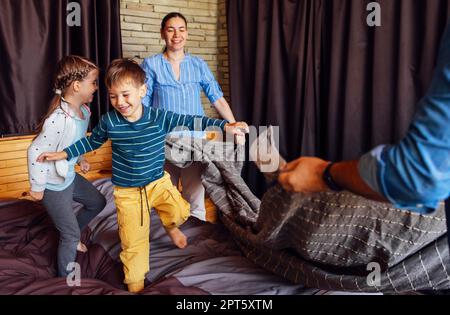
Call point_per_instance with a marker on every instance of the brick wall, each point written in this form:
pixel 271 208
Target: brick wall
pixel 141 20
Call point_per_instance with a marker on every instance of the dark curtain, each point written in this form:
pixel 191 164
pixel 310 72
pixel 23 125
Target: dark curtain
pixel 334 85
pixel 34 35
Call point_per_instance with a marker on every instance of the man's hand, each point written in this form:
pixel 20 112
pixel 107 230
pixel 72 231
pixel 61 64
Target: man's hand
pixel 84 166
pixel 51 156
pixel 303 175
pixel 37 195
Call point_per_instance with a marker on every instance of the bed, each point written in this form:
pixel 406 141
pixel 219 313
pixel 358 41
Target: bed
pixel 211 264
pixel 283 244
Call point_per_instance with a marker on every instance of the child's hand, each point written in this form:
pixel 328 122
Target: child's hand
pixel 85 166
pixel 37 195
pixel 239 128
pixel 51 156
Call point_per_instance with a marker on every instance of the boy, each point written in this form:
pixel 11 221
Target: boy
pixel 138 135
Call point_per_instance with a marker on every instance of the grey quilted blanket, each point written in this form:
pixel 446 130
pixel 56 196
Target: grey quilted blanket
pixel 329 241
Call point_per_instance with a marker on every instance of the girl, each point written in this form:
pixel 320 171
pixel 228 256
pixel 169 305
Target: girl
pixel 57 184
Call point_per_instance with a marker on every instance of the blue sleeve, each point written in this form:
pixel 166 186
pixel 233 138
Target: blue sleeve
pixel 209 84
pixel 147 100
pixel 368 167
pixel 98 136
pixel 415 173
pixel 170 120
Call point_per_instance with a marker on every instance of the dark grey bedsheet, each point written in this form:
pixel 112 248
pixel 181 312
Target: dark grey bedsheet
pixel 325 240
pixel 211 264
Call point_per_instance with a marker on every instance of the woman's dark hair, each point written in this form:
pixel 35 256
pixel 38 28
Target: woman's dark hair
pixel 170 16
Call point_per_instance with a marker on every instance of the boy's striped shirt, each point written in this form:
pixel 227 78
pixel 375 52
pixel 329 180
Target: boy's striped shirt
pixel 138 147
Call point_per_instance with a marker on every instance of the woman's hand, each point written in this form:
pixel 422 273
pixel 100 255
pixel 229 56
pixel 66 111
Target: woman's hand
pixel 84 166
pixel 51 156
pixel 36 195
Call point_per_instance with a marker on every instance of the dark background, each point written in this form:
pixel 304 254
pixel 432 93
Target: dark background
pixel 34 36
pixel 334 85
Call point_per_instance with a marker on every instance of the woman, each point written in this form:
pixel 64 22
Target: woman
pixel 174 82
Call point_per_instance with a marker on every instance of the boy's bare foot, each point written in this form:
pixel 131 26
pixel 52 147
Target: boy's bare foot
pixel 136 287
pixel 81 247
pixel 178 238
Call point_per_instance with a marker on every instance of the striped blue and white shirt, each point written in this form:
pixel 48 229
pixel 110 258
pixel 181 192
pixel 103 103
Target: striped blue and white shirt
pixel 138 147
pixel 183 96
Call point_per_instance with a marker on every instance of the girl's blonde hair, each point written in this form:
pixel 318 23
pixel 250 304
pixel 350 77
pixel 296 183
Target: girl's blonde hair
pixel 69 69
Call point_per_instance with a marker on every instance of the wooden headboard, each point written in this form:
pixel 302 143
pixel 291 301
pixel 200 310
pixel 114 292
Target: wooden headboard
pixel 14 170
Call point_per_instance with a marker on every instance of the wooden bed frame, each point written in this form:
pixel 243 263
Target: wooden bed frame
pixel 14 182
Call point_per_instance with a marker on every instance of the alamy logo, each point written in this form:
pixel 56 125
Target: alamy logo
pixel 73 279
pixel 374 17
pixel 374 278
pixel 74 14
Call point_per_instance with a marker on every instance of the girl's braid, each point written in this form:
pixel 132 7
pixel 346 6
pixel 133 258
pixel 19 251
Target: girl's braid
pixel 64 81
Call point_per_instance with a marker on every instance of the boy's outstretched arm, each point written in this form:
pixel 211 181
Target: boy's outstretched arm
pixel 171 120
pixel 51 156
pixel 85 145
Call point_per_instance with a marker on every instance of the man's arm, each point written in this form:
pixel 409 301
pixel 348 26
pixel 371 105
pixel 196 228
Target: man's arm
pixel 346 174
pixel 412 174
pixel 306 175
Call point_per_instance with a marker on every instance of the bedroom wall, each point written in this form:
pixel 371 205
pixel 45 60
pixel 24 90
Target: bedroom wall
pixel 140 24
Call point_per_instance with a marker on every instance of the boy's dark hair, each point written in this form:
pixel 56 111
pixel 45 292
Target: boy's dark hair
pixel 121 70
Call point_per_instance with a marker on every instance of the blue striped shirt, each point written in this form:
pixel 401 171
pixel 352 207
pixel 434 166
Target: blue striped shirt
pixel 183 96
pixel 138 147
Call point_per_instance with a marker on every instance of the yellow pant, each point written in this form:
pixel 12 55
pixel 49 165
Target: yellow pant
pixel 134 221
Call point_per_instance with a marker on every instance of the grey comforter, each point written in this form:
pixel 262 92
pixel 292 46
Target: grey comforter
pixel 330 241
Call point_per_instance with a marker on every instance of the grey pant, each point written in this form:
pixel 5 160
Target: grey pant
pixel 193 190
pixel 59 206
